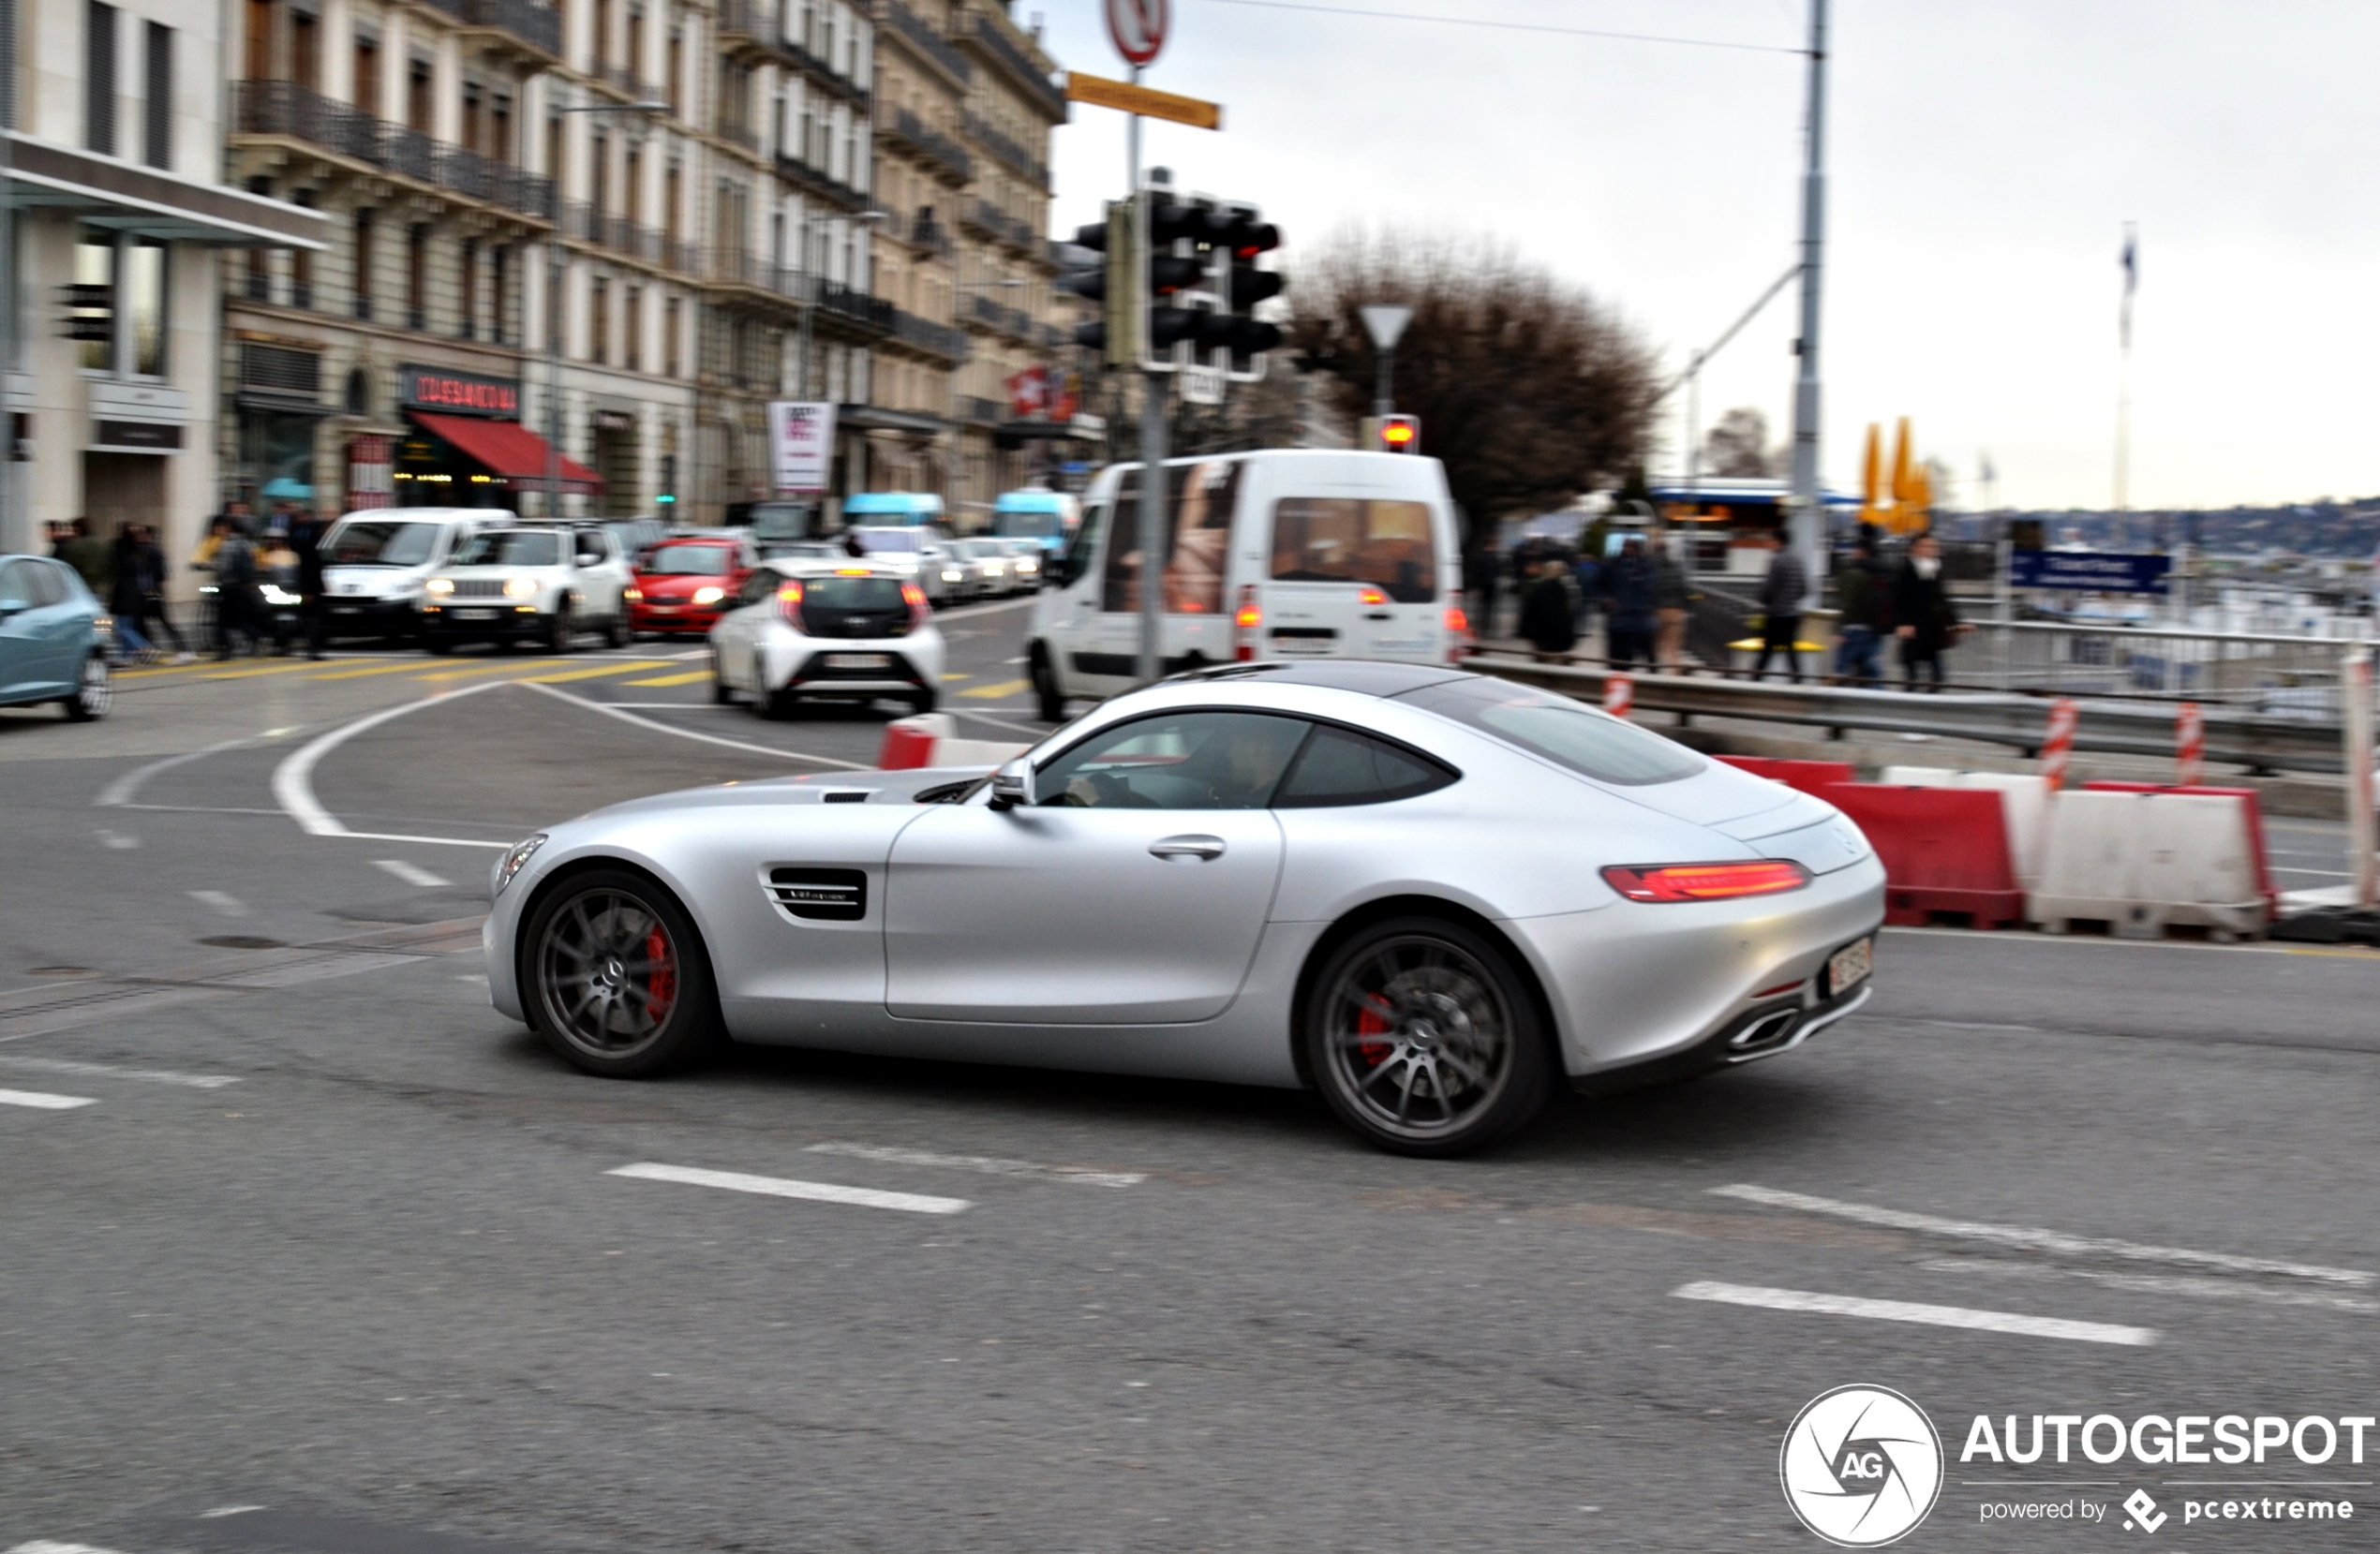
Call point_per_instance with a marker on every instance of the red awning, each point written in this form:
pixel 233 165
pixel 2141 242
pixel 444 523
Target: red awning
pixel 511 450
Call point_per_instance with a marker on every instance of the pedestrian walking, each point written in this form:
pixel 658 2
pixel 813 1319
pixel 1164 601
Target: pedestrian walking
pixel 1924 617
pixel 150 567
pixel 90 557
pixel 1630 590
pixel 124 595
pixel 1864 596
pixel 305 542
pixel 1549 614
pixel 236 595
pixel 1783 588
pixel 1674 599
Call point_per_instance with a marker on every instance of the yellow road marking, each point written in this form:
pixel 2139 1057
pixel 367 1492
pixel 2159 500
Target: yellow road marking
pixel 494 667
pixel 397 668
pixel 954 675
pixel 674 679
pixel 990 693
pixel 270 669
pixel 599 672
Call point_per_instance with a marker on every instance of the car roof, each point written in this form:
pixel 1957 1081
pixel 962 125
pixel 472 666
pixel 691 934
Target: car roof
pixel 829 566
pixel 1360 675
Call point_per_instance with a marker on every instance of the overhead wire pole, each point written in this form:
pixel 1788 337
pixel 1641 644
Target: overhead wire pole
pixel 1809 518
pixel 1149 510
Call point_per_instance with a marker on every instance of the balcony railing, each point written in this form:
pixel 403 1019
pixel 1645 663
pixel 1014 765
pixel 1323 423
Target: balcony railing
pixel 736 267
pixel 986 35
pixel 764 24
pixel 1009 151
pixel 1014 322
pixel 741 135
pixel 902 125
pixel 285 108
pixel 540 25
pixel 802 175
pixel 859 308
pixel 976 410
pixel 917 32
pixel 618 234
pixel 619 78
pixel 939 339
pixel 1015 232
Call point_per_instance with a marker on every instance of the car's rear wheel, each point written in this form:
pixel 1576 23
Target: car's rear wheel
pixel 719 692
pixel 437 643
pixel 94 694
pixel 615 633
pixel 923 701
pixel 1044 687
pixel 1425 1038
pixel 615 979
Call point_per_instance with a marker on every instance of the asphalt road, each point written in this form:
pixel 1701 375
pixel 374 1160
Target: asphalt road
pixel 335 1258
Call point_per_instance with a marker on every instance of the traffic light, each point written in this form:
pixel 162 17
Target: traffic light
pixel 1238 238
pixel 90 312
pixel 1390 433
pixel 1113 282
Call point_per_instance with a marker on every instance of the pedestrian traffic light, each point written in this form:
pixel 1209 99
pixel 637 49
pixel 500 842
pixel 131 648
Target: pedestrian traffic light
pixel 1391 434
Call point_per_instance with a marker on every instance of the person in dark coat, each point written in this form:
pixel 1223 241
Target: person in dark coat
pixel 305 542
pixel 1630 591
pixel 150 567
pixel 1924 617
pixel 1782 591
pixel 236 595
pixel 1863 598
pixel 124 595
pixel 1549 616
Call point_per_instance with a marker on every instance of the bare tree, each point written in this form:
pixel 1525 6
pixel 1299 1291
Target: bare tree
pixel 1530 390
pixel 1737 446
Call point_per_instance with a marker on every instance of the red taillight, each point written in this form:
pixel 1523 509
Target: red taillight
pixel 789 600
pixel 1458 634
pixel 1244 624
pixel 1456 620
pixel 1370 596
pixel 1705 881
pixel 919 611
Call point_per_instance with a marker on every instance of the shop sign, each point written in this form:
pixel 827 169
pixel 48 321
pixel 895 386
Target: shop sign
pixel 458 394
pixel 801 437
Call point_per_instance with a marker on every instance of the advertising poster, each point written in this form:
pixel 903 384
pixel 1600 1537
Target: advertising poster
pixel 802 434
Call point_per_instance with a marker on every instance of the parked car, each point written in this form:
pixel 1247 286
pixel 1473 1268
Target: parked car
pixel 375 561
pixel 990 565
pixel 684 583
pixel 916 555
pixel 535 582
pixel 54 639
pixel 847 631
pixel 1025 569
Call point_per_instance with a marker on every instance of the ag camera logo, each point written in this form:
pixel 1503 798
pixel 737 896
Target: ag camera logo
pixel 1862 1466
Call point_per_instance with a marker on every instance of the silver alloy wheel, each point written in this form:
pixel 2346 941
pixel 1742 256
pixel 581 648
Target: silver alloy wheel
pixel 96 692
pixel 608 971
pixel 1419 1037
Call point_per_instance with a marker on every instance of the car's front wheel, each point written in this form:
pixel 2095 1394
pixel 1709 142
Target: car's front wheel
pixel 1425 1038
pixel 94 694
pixel 562 630
pixel 613 978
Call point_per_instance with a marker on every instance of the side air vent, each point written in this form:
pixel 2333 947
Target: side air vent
pixel 821 894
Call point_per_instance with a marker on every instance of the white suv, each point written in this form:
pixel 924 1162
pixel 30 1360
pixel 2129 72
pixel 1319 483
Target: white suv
pixel 538 582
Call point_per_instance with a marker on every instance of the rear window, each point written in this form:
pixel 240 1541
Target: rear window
pixel 692 561
pixel 1564 731
pixel 851 593
pixel 889 540
pixel 374 543
pixel 1015 522
pixel 512 548
pixel 1356 539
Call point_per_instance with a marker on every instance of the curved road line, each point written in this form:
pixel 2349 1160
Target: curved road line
pixel 688 733
pixel 120 793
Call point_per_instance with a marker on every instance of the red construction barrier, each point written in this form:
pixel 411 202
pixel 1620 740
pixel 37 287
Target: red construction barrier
pixel 2247 797
pixel 1945 850
pixel 909 744
pixel 1807 775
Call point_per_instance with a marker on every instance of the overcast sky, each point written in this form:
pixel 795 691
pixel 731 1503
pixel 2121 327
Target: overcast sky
pixel 1985 156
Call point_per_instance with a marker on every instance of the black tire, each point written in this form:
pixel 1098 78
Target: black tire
pixel 1425 1038
pixel 776 705
pixel 615 633
pixel 924 701
pixel 1052 701
pixel 613 978
pixel 94 693
pixel 436 643
pixel 720 694
pixel 560 631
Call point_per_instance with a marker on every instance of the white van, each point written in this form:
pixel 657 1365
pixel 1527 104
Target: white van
pixel 1279 553
pixel 375 561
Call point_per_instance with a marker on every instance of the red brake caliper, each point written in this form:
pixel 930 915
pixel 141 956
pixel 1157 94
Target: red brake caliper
pixel 1372 1021
pixel 660 984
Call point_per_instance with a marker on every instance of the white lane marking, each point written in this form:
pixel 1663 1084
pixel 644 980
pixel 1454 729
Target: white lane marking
pixel 1909 1310
pixel 117 840
pixel 45 1545
pixel 104 1071
pixel 40 1102
pixel 1018 659
pixel 122 789
pixel 1038 732
pixel 222 901
pixel 293 778
pixel 611 710
pixel 988 1165
pixel 2198 1286
pixel 784 1187
pixel 228 1511
pixel 412 874
pixel 2053 1242
pixel 673 707
pixel 692 653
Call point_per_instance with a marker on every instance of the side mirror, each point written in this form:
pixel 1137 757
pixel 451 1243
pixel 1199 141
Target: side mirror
pixel 1012 785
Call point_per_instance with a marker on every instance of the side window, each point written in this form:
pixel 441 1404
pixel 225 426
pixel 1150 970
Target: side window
pixel 590 550
pixel 1339 767
pixel 758 588
pixel 1085 548
pixel 44 585
pixel 1175 760
pixel 1203 497
pixel 1356 539
pixel 16 583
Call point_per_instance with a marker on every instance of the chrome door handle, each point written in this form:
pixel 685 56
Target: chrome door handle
pixel 1187 847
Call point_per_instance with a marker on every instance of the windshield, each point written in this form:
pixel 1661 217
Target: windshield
pixel 781 520
pixel 888 540
pixel 1356 539
pixel 1019 523
pixel 379 544
pixel 512 548
pixel 692 561
pixel 1560 730
pixel 852 593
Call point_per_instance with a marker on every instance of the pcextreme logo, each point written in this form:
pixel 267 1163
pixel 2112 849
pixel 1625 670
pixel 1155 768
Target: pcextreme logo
pixel 1862 1466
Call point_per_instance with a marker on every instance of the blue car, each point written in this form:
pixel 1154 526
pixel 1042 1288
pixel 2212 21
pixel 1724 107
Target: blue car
pixel 54 638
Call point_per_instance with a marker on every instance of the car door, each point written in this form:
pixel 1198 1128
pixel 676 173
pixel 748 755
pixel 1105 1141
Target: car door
pixel 732 639
pixel 1133 891
pixel 28 669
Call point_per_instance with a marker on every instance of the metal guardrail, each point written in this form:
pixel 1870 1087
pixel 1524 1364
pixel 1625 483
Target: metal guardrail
pixel 2260 742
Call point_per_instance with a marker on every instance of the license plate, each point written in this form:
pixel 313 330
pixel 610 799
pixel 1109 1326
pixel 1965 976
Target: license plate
pixel 474 614
pixel 1850 966
pixel 857 661
pixel 346 609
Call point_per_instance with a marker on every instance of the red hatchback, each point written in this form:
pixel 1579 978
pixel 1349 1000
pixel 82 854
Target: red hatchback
pixel 683 584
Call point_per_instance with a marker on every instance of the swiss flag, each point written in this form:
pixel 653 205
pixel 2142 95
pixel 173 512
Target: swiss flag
pixel 1029 393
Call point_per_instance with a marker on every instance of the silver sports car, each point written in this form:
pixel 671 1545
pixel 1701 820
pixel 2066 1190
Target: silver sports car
pixel 1430 896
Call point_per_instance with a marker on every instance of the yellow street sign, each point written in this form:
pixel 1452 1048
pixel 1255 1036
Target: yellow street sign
pixel 1146 101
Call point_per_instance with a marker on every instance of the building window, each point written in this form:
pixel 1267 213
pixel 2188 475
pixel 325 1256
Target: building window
pixel 368 75
pixel 557 285
pixel 364 258
pixel 8 53
pixel 98 78
pixel 499 131
pixel 633 191
pixel 470 299
pixel 672 362
pixel 636 44
pixel 305 49
pixel 259 39
pixel 602 35
pixel 159 150
pixel 419 103
pixel 94 272
pixel 144 295
pixel 598 168
pixel 599 321
pixel 417 276
pixel 676 69
pixel 633 346
pixel 301 263
pixel 669 202
pixel 500 288
pixel 259 260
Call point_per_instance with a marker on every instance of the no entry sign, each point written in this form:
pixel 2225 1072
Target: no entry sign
pixel 1139 27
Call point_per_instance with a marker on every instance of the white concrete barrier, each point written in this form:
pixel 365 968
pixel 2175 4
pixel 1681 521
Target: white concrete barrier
pixel 930 739
pixel 2144 863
